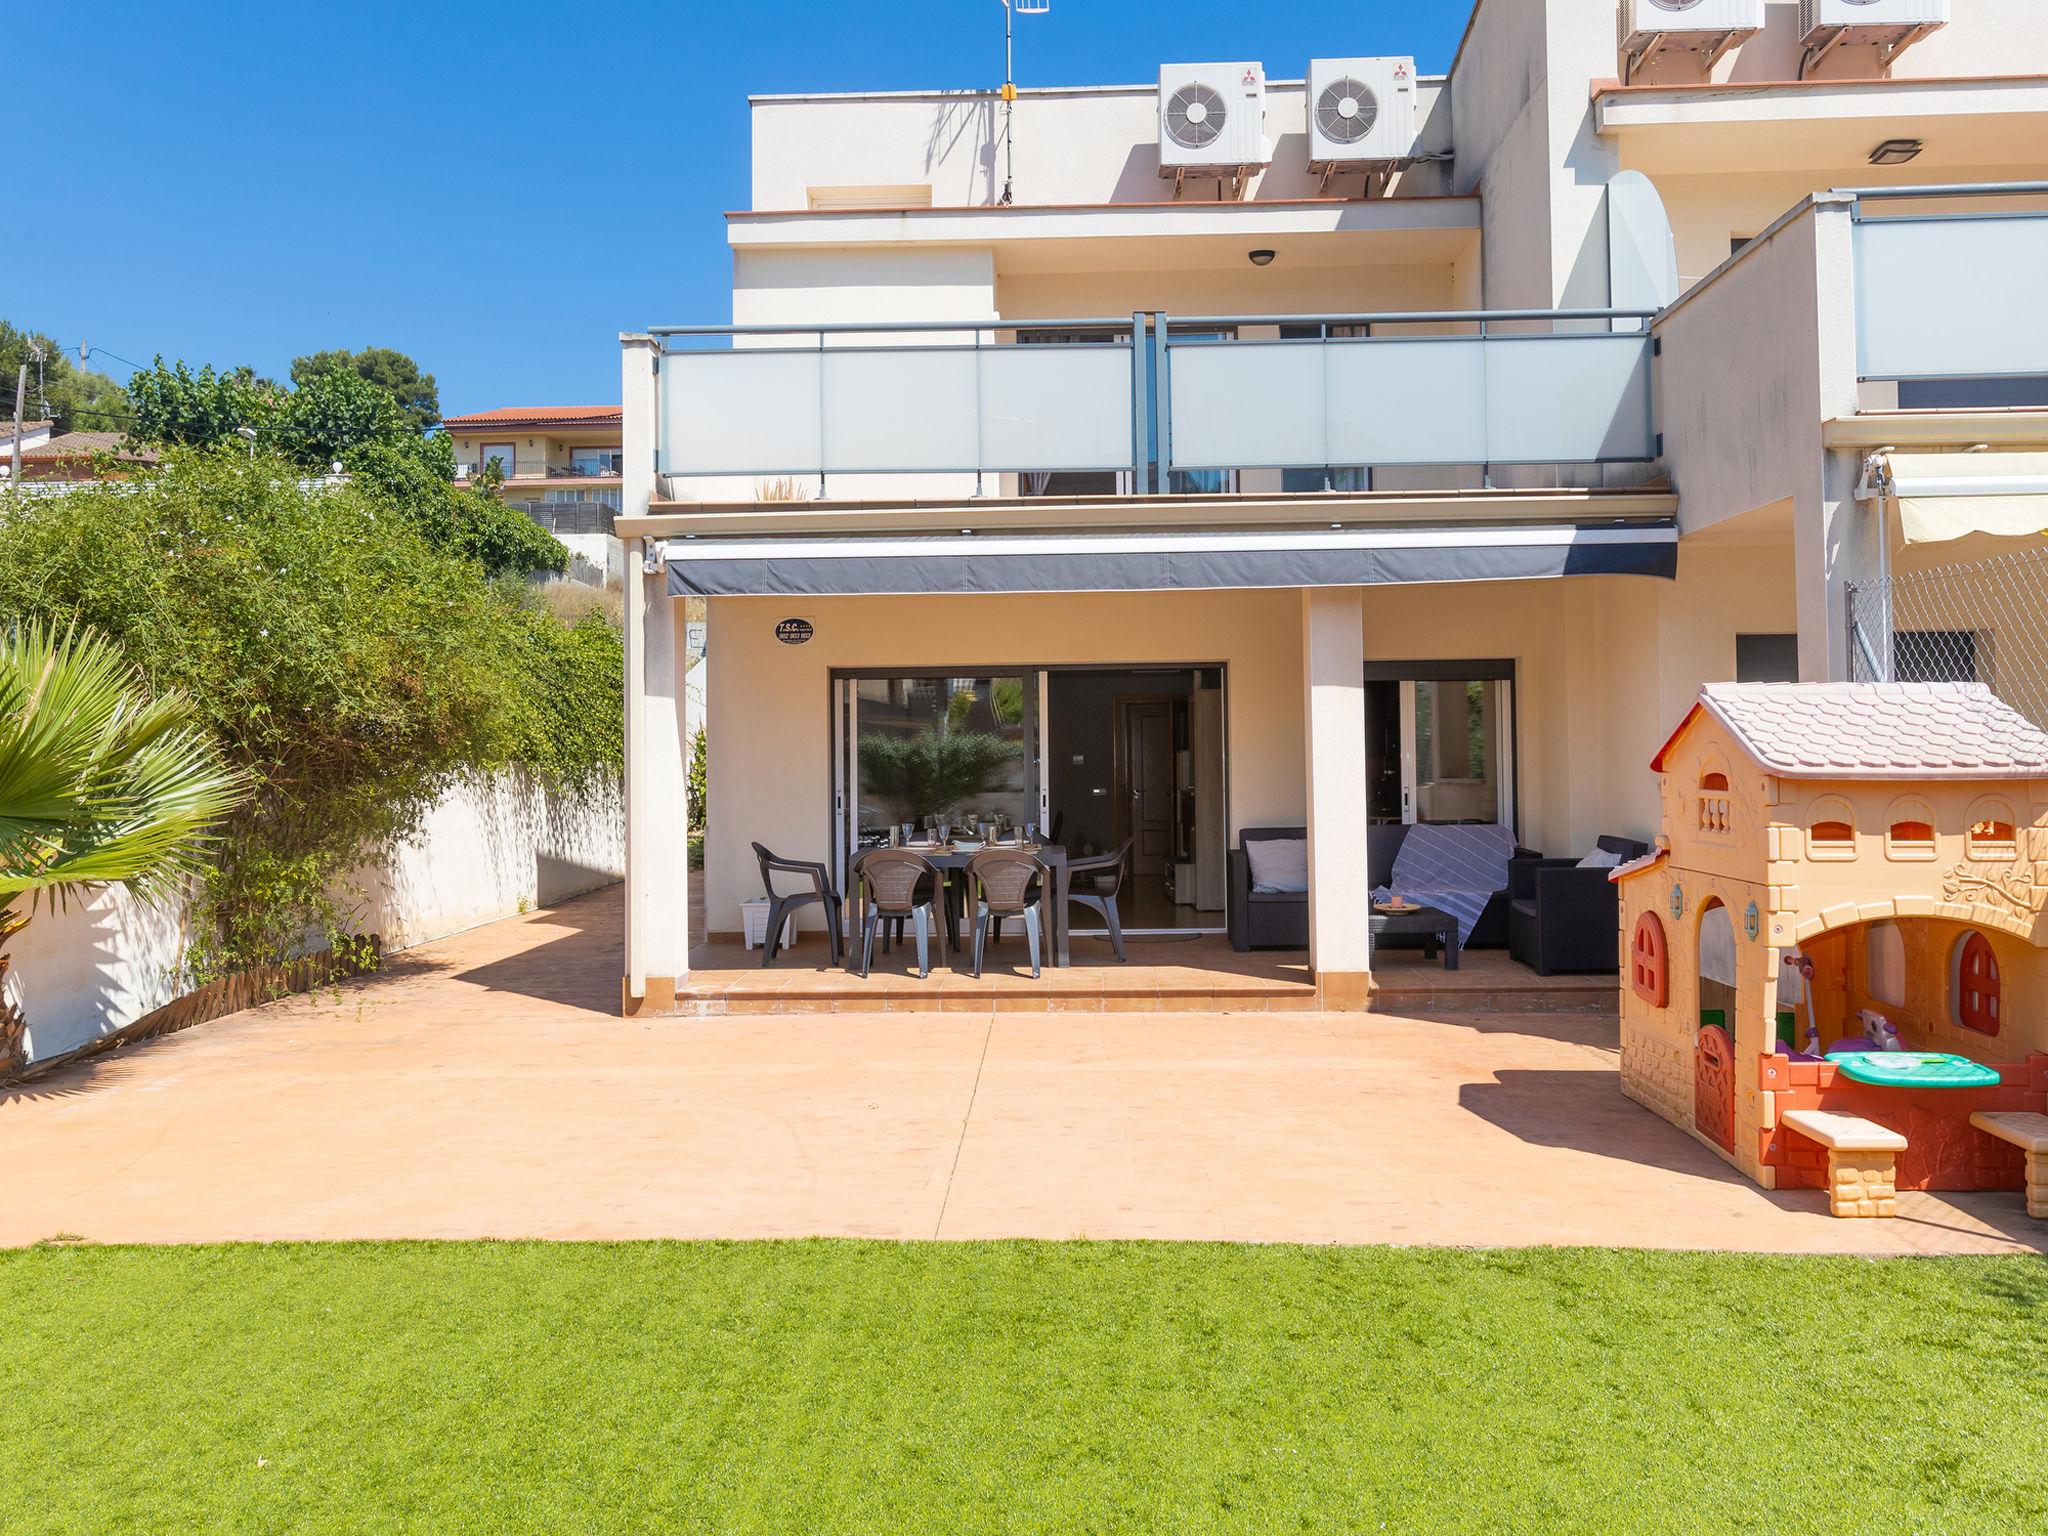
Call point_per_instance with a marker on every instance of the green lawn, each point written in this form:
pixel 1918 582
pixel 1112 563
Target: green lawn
pixel 1016 1387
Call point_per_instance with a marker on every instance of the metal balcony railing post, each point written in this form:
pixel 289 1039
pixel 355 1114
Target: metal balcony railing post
pixel 1162 402
pixel 1141 404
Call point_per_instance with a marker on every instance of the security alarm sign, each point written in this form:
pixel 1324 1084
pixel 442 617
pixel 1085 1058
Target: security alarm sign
pixel 795 631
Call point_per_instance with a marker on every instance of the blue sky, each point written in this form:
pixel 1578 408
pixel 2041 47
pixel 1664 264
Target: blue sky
pixel 498 189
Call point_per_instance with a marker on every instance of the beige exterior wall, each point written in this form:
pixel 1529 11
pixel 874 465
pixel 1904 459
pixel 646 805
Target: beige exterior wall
pixel 1602 666
pixel 770 731
pixel 1983 37
pixel 1093 145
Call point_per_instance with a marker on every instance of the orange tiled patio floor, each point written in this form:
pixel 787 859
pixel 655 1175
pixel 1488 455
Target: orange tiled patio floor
pixel 486 1087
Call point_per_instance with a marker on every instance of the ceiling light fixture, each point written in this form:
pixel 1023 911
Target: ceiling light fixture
pixel 1895 152
pixel 1262 258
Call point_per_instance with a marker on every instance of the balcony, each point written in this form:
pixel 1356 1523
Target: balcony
pixel 1948 303
pixel 606 470
pixel 1148 404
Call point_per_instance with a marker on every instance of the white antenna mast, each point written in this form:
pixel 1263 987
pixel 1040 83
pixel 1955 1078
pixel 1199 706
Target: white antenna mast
pixel 1012 9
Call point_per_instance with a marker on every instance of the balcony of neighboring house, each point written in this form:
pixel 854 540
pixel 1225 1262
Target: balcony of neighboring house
pixel 1869 377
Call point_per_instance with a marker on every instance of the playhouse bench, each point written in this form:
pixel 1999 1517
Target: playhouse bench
pixel 1862 1160
pixel 2028 1132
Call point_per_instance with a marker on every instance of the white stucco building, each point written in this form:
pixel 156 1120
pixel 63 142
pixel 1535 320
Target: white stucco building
pixel 1277 494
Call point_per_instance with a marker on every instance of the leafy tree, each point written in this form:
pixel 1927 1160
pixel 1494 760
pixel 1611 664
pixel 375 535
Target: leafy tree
pixel 338 655
pixel 413 392
pixel 331 414
pixel 173 405
pixel 699 789
pixel 78 399
pixel 931 772
pixel 102 782
pixel 418 475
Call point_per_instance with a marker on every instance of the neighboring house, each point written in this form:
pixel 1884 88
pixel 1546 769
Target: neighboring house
pixel 1285 488
pixel 33 435
pixel 561 465
pixel 73 457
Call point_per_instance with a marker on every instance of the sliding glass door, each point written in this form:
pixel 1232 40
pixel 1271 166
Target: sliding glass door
pixel 1440 742
pixel 921 749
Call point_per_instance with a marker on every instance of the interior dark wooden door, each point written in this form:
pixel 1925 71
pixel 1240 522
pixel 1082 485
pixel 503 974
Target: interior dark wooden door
pixel 1144 781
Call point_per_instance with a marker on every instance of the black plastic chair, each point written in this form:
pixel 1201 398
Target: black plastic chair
pixel 1105 869
pixel 1005 882
pixel 899 884
pixel 780 906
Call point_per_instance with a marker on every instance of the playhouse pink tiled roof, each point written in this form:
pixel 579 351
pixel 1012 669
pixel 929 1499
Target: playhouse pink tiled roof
pixel 1875 730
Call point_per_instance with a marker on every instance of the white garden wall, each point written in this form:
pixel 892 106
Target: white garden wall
pixel 487 851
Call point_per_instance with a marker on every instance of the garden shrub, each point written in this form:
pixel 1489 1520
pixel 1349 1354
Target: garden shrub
pixel 354 666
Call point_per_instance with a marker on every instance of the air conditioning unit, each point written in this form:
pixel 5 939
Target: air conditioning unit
pixel 1212 118
pixel 1360 110
pixel 1707 27
pixel 1891 24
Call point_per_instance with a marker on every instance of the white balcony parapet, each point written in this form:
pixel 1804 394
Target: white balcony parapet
pixel 1366 390
pixel 1951 294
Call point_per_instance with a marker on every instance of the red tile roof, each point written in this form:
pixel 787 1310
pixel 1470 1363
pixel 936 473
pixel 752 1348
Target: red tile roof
pixel 83 445
pixel 539 416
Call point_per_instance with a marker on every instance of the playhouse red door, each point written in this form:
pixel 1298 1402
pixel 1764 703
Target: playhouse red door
pixel 1713 1085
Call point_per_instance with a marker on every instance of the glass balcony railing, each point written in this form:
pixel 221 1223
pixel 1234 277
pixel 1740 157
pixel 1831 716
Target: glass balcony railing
pixel 1952 295
pixel 607 468
pixel 1155 403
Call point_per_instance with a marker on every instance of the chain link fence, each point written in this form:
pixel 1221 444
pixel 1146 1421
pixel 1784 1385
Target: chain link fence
pixel 1985 622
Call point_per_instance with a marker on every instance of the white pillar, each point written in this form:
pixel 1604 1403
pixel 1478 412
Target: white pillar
pixel 1339 886
pixel 657 752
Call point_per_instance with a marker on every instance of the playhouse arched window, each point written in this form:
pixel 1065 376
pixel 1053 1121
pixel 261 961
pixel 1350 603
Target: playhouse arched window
pixel 1647 962
pixel 1831 829
pixel 1909 830
pixel 1975 984
pixel 1993 834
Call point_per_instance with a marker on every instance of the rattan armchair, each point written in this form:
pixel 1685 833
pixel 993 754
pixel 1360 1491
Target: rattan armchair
pixel 1005 882
pixel 898 884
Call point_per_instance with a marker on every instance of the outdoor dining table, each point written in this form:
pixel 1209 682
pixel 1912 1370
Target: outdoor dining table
pixel 952 859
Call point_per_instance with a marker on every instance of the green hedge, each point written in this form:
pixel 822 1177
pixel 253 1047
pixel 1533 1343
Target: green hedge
pixel 345 652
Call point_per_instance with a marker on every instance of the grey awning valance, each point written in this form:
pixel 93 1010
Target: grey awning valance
pixel 811 566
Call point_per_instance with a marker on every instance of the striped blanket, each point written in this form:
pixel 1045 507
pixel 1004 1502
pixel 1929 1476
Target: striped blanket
pixel 1455 869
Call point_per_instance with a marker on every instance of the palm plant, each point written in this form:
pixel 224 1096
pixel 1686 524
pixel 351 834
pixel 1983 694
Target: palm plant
pixel 101 782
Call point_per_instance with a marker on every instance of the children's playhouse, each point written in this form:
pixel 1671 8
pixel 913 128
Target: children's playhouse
pixel 1835 962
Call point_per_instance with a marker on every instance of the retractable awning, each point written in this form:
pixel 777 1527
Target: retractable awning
pixel 1187 561
pixel 1944 496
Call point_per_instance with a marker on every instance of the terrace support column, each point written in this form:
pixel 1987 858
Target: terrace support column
pixel 1339 887
pixel 657 752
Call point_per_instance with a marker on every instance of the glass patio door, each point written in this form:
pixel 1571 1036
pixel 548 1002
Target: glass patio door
pixel 928 748
pixel 1440 746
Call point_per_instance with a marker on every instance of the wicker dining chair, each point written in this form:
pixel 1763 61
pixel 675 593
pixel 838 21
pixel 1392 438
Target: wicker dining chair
pixel 899 884
pixel 1105 876
pixel 780 905
pixel 1005 882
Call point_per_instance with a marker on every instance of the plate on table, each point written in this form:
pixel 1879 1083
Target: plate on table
pixel 963 846
pixel 1397 908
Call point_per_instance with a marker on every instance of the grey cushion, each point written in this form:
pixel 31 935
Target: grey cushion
pixel 1279 865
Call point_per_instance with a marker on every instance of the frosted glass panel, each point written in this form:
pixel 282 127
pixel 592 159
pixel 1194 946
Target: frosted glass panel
pixel 1407 402
pixel 1242 404
pixel 1568 399
pixel 1412 400
pixel 900 409
pixel 1055 407
pixel 744 411
pixel 911 409
pixel 1952 296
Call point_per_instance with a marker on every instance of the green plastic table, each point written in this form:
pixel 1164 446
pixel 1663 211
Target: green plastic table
pixel 1913 1069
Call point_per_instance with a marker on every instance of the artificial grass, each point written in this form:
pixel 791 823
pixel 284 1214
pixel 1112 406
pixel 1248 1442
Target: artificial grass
pixel 839 1386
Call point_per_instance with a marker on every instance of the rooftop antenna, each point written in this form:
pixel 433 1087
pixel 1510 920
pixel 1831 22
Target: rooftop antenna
pixel 1011 10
